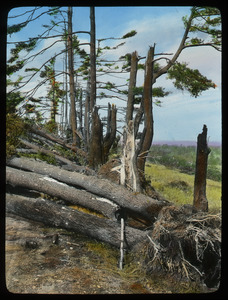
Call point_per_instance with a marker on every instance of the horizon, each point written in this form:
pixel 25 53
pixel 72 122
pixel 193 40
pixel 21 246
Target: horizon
pixel 185 143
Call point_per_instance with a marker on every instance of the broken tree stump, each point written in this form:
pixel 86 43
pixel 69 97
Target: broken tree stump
pixel 200 200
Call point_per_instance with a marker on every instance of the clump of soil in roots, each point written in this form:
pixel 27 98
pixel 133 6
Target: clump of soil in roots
pixel 184 245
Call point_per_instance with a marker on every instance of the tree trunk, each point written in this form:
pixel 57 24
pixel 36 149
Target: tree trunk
pixel 71 75
pixel 96 155
pixel 53 214
pixel 128 172
pixel 147 135
pixel 86 132
pixel 111 131
pixel 54 188
pixel 200 201
pixel 92 59
pixel 137 204
pixel 132 83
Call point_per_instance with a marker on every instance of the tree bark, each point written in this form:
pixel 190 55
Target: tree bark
pixel 92 58
pixel 111 131
pixel 132 83
pixel 71 75
pixel 200 200
pixel 53 214
pixel 137 204
pixel 54 188
pixel 128 172
pixel 147 135
pixel 96 154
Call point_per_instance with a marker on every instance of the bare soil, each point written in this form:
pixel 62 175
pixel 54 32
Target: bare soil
pixel 42 260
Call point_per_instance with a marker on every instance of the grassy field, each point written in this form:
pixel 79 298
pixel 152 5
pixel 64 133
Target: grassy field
pixel 172 174
pixel 183 159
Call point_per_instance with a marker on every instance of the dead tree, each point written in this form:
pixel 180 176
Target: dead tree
pixel 96 155
pixel 200 200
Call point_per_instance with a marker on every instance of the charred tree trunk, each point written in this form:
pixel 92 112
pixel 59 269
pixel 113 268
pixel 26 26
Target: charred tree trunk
pixel 53 214
pixel 200 200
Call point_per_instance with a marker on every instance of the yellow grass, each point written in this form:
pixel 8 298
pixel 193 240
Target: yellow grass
pixel 178 187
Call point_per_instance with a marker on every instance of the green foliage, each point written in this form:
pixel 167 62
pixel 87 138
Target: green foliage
pixel 14 129
pixel 205 20
pixel 129 34
pixel 189 79
pixel 12 100
pixel 51 126
pixel 15 28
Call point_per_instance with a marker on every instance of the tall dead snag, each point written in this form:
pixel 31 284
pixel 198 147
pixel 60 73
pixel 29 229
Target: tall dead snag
pixel 147 134
pixel 96 155
pixel 111 130
pixel 128 170
pixel 71 75
pixel 200 201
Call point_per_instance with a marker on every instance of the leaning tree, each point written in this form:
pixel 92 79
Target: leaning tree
pixel 207 21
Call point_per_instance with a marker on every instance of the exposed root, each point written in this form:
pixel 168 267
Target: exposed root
pixel 184 244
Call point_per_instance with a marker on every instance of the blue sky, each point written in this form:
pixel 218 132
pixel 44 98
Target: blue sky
pixel 181 117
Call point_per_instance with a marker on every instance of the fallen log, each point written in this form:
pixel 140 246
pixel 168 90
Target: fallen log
pixel 69 164
pixel 57 140
pixel 53 214
pixel 136 203
pixel 54 188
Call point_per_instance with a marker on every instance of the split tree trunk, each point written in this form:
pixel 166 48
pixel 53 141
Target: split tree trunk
pixel 200 200
pixel 53 214
pixel 128 170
